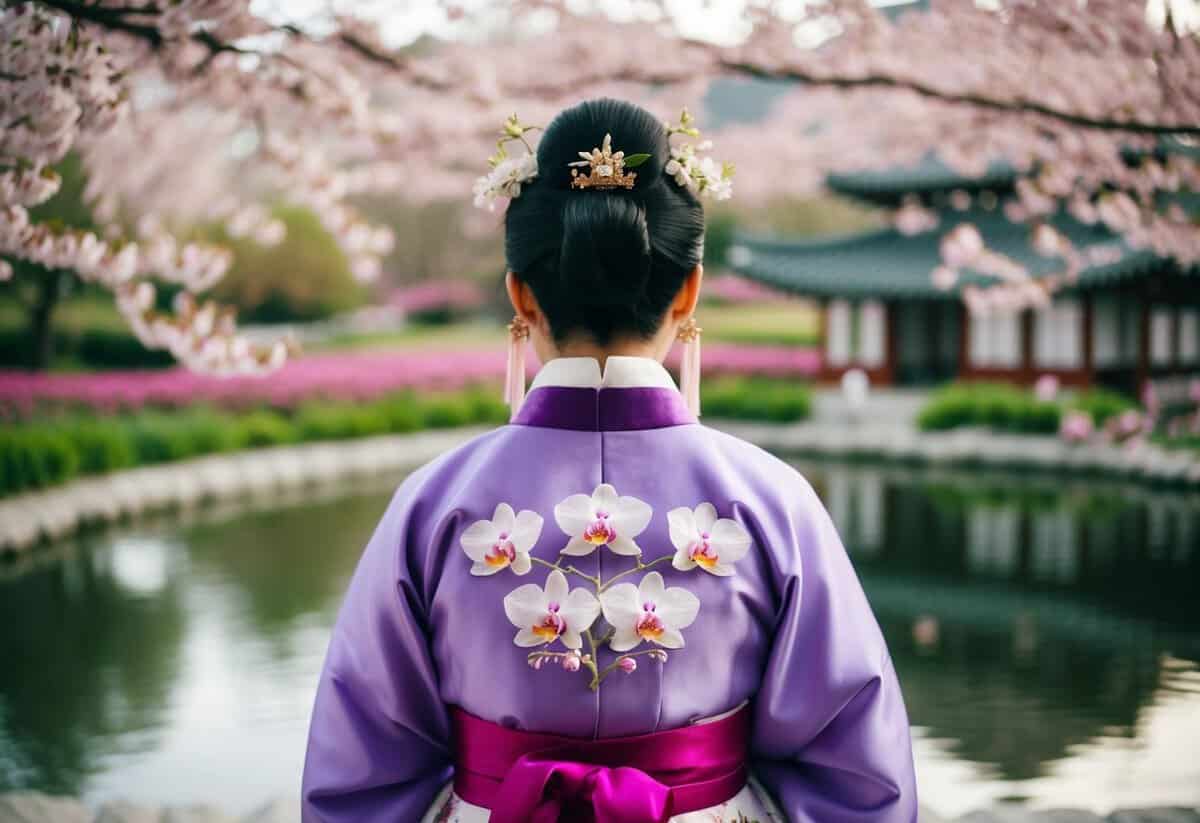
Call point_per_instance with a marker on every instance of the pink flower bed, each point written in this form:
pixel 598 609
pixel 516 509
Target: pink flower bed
pixel 356 376
pixel 438 295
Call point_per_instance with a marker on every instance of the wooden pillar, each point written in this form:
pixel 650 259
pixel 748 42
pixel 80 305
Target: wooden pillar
pixel 823 335
pixel 891 341
pixel 1089 361
pixel 964 341
pixel 1142 371
pixel 1028 369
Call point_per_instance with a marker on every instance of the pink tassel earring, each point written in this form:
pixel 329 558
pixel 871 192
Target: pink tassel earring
pixel 689 369
pixel 514 374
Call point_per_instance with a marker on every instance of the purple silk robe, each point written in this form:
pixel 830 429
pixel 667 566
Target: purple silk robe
pixel 790 631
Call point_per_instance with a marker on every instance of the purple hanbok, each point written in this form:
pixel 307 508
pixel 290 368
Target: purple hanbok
pixel 603 568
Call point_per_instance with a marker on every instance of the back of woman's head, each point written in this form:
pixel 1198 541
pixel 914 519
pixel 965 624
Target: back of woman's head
pixel 604 263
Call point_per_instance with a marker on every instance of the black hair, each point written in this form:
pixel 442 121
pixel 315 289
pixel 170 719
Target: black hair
pixel 604 262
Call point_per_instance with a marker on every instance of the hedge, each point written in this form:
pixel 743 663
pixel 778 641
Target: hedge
pixel 1011 408
pixel 756 398
pixel 95 349
pixel 51 451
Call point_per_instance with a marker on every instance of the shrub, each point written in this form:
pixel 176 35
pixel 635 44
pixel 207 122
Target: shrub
pixel 402 412
pixel 997 405
pixel 262 428
pixel 442 411
pixel 1102 404
pixel 160 438
pixel 755 398
pixel 102 445
pixel 35 457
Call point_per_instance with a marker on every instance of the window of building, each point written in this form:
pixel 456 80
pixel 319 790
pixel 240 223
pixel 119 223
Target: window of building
pixel 1057 338
pixel 1106 332
pixel 1161 320
pixel 1189 336
pixel 872 326
pixel 996 340
pixel 838 340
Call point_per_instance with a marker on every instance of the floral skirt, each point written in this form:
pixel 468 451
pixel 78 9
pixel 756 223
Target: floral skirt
pixel 751 805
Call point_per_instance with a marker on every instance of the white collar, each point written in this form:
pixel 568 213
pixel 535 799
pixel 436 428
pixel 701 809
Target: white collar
pixel 620 372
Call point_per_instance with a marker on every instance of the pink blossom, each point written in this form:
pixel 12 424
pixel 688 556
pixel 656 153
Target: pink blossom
pixel 1046 388
pixel 1076 427
pixel 627 665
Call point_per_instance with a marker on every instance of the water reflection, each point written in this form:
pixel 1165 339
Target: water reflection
pixel 1028 620
pixel 1045 632
pixel 90 649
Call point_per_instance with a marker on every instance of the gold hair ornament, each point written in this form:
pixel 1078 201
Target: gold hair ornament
pixel 607 168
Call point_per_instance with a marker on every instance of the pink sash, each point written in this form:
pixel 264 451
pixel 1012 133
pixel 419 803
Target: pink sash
pixel 525 777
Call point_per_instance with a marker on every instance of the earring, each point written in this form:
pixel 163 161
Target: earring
pixel 514 375
pixel 689 369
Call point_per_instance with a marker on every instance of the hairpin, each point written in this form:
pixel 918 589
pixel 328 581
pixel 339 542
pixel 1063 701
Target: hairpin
pixel 607 168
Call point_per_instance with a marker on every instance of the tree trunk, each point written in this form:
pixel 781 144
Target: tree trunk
pixel 41 315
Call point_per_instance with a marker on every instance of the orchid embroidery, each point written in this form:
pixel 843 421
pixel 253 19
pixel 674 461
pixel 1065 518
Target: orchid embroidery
pixel 604 519
pixel 649 612
pixel 554 613
pixel 502 542
pixel 702 539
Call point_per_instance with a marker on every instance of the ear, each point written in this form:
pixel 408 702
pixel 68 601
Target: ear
pixel 684 304
pixel 522 299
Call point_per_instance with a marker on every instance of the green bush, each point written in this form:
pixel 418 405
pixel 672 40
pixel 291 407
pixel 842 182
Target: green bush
pixel 755 398
pixel 158 437
pixel 996 405
pixel 102 445
pixel 263 428
pixel 402 412
pixel 95 348
pixel 34 457
pixel 1102 404
pixel 443 411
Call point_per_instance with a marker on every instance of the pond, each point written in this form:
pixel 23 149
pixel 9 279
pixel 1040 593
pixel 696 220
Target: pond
pixel 1046 633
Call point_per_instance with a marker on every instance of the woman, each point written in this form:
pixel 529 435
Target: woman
pixel 604 610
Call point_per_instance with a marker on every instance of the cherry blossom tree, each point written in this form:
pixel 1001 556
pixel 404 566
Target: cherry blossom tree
pixel 188 111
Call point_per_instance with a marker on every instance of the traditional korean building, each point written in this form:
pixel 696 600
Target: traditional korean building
pixel 1130 316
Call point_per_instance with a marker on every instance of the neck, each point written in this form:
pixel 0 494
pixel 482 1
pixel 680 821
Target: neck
pixel 602 353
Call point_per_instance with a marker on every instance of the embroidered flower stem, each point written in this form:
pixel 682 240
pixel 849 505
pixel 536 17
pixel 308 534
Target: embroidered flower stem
pixel 595 581
pixel 639 567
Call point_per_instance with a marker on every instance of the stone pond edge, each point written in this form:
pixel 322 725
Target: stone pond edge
pixel 32 518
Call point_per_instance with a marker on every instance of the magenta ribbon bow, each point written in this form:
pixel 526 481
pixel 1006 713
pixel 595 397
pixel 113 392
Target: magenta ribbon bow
pixel 526 777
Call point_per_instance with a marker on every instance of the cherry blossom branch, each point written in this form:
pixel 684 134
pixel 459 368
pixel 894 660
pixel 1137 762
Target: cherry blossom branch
pixel 1018 106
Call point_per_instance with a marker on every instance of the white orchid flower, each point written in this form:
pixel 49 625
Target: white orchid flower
pixel 701 539
pixel 554 613
pixel 604 519
pixel 649 612
pixel 502 542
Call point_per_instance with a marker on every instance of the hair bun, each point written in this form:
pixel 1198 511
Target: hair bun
pixel 605 257
pixel 583 127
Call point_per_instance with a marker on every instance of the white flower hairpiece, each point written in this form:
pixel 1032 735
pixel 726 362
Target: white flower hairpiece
pixel 507 173
pixel 701 174
pixel 687 165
